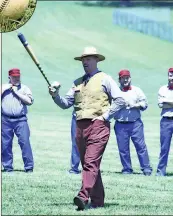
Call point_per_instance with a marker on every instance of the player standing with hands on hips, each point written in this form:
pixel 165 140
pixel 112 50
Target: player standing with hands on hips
pixel 165 102
pixel 91 96
pixel 129 125
pixel 15 98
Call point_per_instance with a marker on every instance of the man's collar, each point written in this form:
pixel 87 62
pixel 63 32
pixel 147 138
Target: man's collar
pixel 170 87
pixel 93 73
pixel 126 88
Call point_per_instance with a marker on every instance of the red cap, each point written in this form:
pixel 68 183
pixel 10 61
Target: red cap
pixel 14 72
pixel 124 73
pixel 170 70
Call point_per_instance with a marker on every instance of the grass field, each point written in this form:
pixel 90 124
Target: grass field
pixel 57 32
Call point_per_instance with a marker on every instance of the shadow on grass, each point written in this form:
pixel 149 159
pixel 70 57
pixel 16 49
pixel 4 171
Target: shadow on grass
pixel 60 204
pixel 18 170
pixel 134 173
pixel 15 170
pixel 106 205
pixel 169 174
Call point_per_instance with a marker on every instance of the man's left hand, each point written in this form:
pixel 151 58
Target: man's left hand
pixel 133 105
pixel 14 88
pixel 98 118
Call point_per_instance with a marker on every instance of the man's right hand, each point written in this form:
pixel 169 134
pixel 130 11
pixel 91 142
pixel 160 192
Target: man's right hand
pixel 54 89
pixel 8 86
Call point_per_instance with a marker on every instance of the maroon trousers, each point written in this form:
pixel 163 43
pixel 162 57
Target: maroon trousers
pixel 91 139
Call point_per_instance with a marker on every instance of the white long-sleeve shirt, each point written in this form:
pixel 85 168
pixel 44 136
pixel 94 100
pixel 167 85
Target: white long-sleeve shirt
pixel 135 95
pixel 165 94
pixel 109 87
pixel 11 104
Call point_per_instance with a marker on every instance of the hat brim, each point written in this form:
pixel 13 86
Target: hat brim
pixel 15 75
pixel 124 75
pixel 100 57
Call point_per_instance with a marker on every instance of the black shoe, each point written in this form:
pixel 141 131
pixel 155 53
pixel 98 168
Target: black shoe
pixel 147 173
pixel 79 203
pixel 29 170
pixel 160 174
pixel 126 172
pixel 92 206
pixel 74 171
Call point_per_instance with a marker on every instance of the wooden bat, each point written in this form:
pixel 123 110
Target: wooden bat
pixel 32 55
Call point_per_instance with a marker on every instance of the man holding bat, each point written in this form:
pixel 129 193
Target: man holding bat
pixel 15 98
pixel 91 96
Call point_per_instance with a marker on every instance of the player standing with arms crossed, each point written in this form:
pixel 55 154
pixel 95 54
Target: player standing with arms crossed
pixel 165 102
pixel 15 99
pixel 129 125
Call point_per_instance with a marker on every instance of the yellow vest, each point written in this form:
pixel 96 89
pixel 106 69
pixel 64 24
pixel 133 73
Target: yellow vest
pixel 90 99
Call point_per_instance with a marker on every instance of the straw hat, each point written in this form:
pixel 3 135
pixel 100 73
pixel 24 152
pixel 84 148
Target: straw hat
pixel 90 51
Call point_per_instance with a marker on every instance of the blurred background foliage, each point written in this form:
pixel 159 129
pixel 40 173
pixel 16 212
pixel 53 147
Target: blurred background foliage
pixel 129 3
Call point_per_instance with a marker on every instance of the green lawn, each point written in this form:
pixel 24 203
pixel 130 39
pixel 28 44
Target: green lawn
pixel 172 16
pixel 57 32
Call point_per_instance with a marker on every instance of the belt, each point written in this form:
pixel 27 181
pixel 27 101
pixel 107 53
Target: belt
pixel 86 119
pixel 169 118
pixel 124 122
pixel 14 117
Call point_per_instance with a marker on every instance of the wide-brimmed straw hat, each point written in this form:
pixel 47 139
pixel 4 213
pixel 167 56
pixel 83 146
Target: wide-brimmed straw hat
pixel 90 51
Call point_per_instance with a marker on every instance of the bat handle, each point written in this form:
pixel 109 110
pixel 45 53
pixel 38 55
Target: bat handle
pixel 22 39
pixel 39 67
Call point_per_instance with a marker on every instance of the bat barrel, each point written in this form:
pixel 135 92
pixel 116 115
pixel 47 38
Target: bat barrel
pixel 32 55
pixel 22 39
